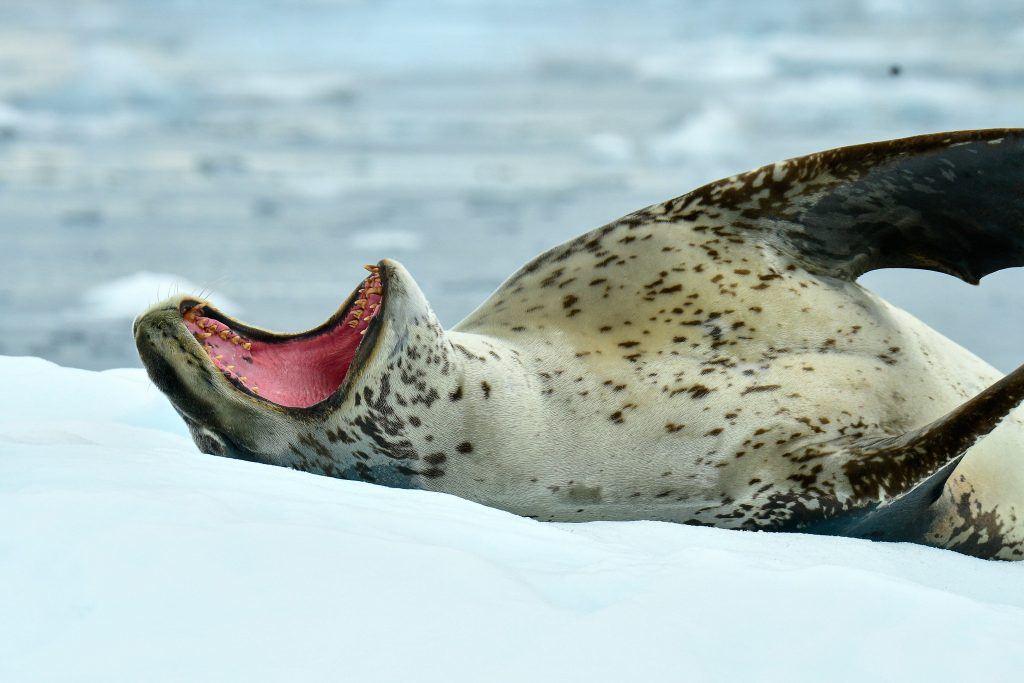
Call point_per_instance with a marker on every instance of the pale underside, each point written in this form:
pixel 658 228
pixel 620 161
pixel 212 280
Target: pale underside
pixel 682 364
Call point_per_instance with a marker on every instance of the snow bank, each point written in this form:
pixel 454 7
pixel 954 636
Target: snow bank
pixel 126 555
pixel 125 297
pixel 384 240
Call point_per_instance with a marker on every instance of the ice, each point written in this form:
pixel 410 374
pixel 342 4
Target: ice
pixel 253 143
pixel 611 148
pixel 379 241
pixel 287 88
pixel 128 296
pixel 127 555
pixel 702 135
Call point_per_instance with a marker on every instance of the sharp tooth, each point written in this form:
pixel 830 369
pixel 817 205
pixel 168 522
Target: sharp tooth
pixel 236 340
pixel 353 323
pixel 218 357
pixel 374 290
pixel 242 379
pixel 356 312
pixel 361 302
pixel 363 331
pixel 230 367
pixel 203 335
pixel 372 269
pixel 254 390
pixel 247 345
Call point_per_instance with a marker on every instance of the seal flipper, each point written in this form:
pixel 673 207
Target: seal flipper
pixel 920 463
pixel 949 202
pixel 905 518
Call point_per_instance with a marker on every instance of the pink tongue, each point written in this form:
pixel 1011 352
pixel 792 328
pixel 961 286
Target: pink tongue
pixel 297 373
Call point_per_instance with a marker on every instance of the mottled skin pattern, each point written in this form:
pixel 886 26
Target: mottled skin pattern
pixel 709 360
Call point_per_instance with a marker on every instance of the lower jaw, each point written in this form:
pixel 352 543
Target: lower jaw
pixel 294 371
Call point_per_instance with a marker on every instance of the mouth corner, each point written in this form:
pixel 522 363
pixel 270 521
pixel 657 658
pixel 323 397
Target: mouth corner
pixel 291 371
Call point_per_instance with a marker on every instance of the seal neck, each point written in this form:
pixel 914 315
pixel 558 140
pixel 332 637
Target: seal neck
pixel 402 416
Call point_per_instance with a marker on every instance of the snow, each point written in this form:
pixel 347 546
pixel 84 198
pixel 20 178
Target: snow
pixel 127 296
pixel 385 240
pixel 127 555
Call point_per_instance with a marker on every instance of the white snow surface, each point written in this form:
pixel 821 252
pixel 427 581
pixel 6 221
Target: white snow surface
pixel 128 296
pixel 126 555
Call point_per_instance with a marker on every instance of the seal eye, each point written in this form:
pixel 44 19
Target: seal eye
pixel 296 371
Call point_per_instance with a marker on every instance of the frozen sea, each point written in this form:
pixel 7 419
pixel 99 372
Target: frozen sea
pixel 266 149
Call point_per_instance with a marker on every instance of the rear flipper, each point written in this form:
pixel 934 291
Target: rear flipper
pixel 961 491
pixel 972 519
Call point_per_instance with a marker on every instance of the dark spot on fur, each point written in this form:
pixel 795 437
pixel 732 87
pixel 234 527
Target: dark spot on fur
pixel 761 387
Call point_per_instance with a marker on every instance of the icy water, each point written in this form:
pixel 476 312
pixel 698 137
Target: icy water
pixel 268 149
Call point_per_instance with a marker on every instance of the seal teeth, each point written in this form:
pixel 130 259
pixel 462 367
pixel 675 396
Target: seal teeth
pixel 217 338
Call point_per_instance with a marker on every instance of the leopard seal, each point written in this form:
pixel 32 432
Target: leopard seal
pixel 708 360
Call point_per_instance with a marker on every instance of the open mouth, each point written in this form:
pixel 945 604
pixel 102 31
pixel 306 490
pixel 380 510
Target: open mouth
pixel 296 371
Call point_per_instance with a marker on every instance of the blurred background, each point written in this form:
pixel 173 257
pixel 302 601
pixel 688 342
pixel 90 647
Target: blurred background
pixel 266 149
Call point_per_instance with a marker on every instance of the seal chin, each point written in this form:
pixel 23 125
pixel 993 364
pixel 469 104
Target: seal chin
pixel 288 371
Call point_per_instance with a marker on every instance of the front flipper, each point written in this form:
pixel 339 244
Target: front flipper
pixel 910 472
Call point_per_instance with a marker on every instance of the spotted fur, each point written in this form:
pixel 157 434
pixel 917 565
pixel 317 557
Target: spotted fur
pixel 708 360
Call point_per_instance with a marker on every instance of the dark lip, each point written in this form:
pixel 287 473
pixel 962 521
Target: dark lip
pixel 167 377
pixel 366 347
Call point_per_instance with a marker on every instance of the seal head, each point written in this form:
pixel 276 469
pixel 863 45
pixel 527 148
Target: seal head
pixel 253 394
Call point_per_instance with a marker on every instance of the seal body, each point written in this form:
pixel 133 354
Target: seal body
pixel 709 360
